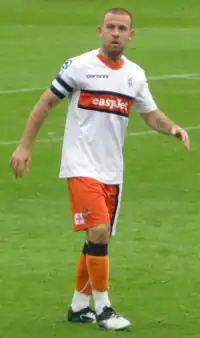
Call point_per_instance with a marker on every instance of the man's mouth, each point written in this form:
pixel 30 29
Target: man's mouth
pixel 115 43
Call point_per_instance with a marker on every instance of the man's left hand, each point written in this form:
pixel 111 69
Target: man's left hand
pixel 182 135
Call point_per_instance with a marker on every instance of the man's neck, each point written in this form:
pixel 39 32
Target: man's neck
pixel 112 57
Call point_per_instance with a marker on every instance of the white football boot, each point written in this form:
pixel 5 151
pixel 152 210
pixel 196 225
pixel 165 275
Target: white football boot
pixel 109 320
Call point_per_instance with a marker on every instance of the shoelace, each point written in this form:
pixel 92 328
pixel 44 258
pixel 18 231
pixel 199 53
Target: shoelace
pixel 112 313
pixel 91 314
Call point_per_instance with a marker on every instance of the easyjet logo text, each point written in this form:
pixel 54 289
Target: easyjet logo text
pixel 118 103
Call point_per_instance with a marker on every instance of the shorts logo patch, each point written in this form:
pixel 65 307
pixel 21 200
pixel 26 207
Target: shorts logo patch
pixel 79 219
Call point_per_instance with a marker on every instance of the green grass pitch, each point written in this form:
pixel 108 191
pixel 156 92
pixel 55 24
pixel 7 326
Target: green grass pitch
pixel 155 257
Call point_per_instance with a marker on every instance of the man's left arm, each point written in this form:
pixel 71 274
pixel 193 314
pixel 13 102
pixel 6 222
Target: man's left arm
pixel 145 105
pixel 160 122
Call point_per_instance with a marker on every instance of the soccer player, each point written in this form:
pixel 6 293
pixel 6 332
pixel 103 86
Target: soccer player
pixel 101 85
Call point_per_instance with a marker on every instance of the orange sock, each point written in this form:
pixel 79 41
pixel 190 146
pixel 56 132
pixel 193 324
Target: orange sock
pixel 98 270
pixel 82 277
pixel 98 266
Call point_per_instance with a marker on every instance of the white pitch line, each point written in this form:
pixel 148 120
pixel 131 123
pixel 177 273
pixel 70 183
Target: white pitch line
pixel 175 76
pixel 191 76
pixel 58 139
pixel 21 90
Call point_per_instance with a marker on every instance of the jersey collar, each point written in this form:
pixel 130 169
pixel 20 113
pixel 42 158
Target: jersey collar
pixel 108 63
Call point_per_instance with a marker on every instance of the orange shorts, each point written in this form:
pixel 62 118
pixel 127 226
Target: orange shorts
pixel 93 202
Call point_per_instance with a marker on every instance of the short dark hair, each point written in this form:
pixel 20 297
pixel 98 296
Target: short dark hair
pixel 119 10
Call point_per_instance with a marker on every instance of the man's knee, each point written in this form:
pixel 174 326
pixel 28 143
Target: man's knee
pixel 99 234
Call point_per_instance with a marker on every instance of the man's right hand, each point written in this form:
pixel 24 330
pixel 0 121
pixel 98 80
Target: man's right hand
pixel 20 161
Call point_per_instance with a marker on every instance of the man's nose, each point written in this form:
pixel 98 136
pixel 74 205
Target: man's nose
pixel 115 32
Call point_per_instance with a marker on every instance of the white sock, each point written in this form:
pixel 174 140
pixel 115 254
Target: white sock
pixel 100 300
pixel 80 301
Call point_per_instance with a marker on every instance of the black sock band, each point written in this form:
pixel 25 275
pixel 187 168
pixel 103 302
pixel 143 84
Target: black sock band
pixel 95 249
pixel 85 248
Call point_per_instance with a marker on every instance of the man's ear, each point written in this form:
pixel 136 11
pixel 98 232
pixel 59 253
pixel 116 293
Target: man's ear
pixel 99 30
pixel 131 34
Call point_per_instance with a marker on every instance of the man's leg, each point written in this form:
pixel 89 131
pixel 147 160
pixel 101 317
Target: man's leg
pixel 98 264
pixel 98 268
pixel 80 310
pixel 82 277
pixel 88 206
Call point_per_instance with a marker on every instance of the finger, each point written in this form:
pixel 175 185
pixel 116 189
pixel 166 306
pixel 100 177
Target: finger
pixel 185 140
pixel 21 168
pixel 12 162
pixel 16 170
pixel 28 164
pixel 173 131
pixel 14 165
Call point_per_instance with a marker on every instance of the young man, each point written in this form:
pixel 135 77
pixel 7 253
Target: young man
pixel 101 85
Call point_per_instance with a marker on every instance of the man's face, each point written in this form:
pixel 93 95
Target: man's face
pixel 115 32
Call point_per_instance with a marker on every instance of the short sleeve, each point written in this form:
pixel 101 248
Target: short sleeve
pixel 65 82
pixel 144 102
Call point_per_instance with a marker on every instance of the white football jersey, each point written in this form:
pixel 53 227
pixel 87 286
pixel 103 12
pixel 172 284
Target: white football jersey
pixel 100 96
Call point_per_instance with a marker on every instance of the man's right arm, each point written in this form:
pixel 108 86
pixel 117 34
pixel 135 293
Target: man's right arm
pixel 63 85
